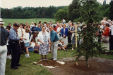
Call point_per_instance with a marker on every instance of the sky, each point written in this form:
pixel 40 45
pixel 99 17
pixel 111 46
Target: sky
pixel 37 3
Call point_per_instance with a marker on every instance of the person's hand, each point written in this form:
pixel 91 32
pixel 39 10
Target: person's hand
pixel 21 38
pixel 24 39
pixel 64 36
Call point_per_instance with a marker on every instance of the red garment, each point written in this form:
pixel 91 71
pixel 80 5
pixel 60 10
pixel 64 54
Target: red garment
pixel 106 31
pixel 56 28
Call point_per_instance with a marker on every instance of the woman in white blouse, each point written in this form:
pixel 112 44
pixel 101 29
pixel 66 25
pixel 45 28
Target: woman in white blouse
pixel 44 39
pixel 27 41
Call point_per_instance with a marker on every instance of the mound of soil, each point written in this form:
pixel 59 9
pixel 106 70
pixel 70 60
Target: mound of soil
pixel 49 63
pixel 97 66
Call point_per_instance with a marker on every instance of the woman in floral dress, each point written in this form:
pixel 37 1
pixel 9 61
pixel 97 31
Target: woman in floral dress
pixel 43 38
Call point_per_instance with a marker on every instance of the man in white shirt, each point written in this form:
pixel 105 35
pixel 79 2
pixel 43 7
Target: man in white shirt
pixel 3 48
pixel 21 33
pixel 102 25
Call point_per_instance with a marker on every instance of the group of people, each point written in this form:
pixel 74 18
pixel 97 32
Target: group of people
pixel 44 38
pixel 105 33
pixel 17 38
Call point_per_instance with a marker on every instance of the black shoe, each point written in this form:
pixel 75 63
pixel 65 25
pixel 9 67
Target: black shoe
pixel 18 65
pixel 14 67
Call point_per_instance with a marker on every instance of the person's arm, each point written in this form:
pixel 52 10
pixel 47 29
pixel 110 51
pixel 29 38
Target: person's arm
pixel 40 41
pixel 39 37
pixel 61 32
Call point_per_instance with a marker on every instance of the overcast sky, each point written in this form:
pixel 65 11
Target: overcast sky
pixel 36 3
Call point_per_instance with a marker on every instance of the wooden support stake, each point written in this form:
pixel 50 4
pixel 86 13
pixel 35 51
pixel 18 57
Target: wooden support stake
pixel 76 35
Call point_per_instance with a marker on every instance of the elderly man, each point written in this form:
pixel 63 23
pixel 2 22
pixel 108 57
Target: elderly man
pixel 14 42
pixel 3 48
pixel 54 43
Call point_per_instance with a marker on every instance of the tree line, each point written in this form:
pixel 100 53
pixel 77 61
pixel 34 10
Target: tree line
pixel 76 11
pixel 30 12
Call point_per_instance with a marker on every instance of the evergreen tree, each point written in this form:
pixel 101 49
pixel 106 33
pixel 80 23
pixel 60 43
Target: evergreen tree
pixel 89 47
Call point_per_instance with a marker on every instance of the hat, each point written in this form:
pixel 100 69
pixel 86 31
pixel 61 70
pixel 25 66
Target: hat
pixel 15 24
pixel 1 21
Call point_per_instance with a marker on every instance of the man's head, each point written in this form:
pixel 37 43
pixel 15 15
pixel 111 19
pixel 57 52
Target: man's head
pixel 15 26
pixel 50 28
pixel 64 26
pixel 1 22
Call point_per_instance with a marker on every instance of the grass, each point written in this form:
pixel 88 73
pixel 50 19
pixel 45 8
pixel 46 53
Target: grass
pixel 28 68
pixel 7 21
pixel 106 56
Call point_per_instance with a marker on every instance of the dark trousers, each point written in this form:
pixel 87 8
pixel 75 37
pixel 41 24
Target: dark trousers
pixel 9 49
pixel 69 37
pixel 15 52
pixel 111 42
pixel 22 47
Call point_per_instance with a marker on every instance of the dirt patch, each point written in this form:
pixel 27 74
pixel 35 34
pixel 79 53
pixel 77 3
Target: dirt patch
pixel 49 63
pixel 98 66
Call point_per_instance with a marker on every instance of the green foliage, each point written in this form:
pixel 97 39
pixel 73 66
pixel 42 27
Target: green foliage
pixel 30 12
pixel 61 14
pixel 111 10
pixel 88 10
pixel 89 47
pixel 77 10
pixel 73 11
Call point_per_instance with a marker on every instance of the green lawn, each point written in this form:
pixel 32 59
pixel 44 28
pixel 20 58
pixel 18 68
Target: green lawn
pixel 28 68
pixel 28 20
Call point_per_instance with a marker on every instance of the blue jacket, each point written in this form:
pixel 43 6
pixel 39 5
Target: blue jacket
pixel 53 36
pixel 64 33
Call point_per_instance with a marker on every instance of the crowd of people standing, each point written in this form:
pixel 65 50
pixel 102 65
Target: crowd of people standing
pixel 43 38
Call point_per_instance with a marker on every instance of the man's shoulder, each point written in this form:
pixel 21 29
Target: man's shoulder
pixel 11 30
pixel 3 29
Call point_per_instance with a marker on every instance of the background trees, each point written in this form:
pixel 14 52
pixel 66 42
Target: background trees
pixel 76 11
pixel 62 14
pixel 71 12
pixel 30 12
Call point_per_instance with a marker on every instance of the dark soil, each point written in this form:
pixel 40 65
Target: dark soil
pixel 97 66
pixel 49 63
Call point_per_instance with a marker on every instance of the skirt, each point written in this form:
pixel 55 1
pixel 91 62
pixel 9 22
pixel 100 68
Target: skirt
pixel 43 49
pixel 27 44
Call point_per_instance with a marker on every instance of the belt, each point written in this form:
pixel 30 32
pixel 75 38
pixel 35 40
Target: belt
pixel 13 41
